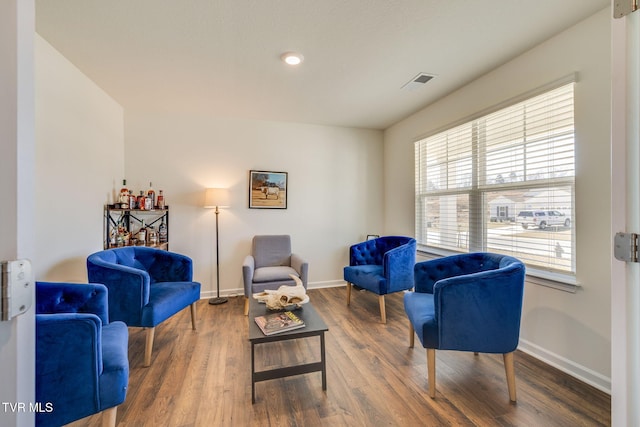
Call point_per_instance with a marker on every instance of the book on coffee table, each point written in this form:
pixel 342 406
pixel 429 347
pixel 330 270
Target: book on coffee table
pixel 275 323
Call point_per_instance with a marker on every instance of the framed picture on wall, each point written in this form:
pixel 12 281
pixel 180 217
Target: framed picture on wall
pixel 268 190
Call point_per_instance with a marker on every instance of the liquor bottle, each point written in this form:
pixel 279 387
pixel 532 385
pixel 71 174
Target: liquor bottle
pixel 152 195
pixel 133 200
pixel 152 236
pixel 113 237
pixel 142 234
pixel 123 201
pixel 160 200
pixel 148 203
pixel 162 232
pixel 141 200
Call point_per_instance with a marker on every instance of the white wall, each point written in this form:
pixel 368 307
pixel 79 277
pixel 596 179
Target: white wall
pixel 571 331
pixel 17 355
pixel 79 165
pixel 334 194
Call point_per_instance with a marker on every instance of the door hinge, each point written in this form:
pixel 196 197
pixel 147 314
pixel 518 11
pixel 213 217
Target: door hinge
pixel 16 288
pixel 622 8
pixel 625 247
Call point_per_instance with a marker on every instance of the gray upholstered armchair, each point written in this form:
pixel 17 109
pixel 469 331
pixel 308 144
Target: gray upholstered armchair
pixel 270 264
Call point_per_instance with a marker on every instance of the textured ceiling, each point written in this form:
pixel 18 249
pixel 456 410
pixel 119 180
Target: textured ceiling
pixel 222 57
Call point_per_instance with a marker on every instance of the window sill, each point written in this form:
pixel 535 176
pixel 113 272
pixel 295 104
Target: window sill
pixel 561 282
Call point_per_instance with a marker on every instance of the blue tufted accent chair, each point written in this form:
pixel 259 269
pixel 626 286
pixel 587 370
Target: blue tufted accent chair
pixel 382 266
pixel 82 365
pixel 146 286
pixel 270 264
pixel 467 302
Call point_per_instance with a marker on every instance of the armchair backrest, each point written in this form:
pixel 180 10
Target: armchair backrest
pixel 372 252
pixel 271 250
pixel 427 273
pixel 53 298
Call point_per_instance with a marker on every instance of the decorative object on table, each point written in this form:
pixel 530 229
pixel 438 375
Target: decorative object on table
pixel 268 190
pixel 382 266
pixel 217 198
pixel 467 302
pixel 146 286
pixel 270 266
pixel 286 297
pixel 275 323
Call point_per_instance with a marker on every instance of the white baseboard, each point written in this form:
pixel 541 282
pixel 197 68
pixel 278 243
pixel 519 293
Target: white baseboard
pixel 326 284
pixel 580 372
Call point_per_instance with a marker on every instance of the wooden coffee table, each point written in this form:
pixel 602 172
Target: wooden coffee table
pixel 314 326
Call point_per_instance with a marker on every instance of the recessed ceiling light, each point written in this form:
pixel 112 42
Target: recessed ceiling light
pixel 292 58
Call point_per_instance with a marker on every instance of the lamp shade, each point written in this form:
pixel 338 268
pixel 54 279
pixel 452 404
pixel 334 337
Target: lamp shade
pixel 216 197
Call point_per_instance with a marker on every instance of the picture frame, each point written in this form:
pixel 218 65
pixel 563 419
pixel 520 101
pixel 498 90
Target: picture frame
pixel 268 189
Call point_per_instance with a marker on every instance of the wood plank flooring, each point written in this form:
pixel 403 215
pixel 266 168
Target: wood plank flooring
pixel 202 378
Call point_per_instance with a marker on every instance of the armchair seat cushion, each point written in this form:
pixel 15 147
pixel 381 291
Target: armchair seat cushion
pixel 368 276
pixel 272 274
pixel 166 299
pixel 421 312
pixel 115 372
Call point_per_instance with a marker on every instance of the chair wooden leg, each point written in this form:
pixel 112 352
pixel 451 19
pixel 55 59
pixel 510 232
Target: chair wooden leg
pixel 511 375
pixel 149 346
pixel 412 334
pixel 431 371
pixel 193 316
pixel 109 417
pixel 383 312
pixel 246 306
pixel 348 293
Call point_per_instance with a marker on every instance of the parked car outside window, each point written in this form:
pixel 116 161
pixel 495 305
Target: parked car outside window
pixel 542 219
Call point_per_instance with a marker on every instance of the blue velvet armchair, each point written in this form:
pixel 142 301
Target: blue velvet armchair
pixel 146 286
pixel 82 365
pixel 270 265
pixel 382 266
pixel 468 302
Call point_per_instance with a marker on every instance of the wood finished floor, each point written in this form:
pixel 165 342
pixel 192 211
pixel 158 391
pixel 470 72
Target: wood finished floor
pixel 202 378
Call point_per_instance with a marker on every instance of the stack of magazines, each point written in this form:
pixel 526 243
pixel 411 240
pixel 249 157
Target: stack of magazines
pixel 275 323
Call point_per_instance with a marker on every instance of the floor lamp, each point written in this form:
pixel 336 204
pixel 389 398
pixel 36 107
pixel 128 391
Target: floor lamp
pixel 217 198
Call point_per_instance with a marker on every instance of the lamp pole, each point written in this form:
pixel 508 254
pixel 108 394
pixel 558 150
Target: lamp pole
pixel 217 300
pixel 216 198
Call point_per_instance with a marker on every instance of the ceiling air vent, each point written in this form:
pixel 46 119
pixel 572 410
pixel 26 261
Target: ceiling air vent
pixel 417 81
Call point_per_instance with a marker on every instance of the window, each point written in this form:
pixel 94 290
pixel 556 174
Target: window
pixel 504 183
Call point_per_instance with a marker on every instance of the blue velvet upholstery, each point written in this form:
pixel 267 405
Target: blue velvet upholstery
pixel 382 266
pixel 146 285
pixel 82 365
pixel 468 302
pixel 270 265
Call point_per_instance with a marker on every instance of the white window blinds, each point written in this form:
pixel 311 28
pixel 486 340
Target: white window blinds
pixel 503 182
